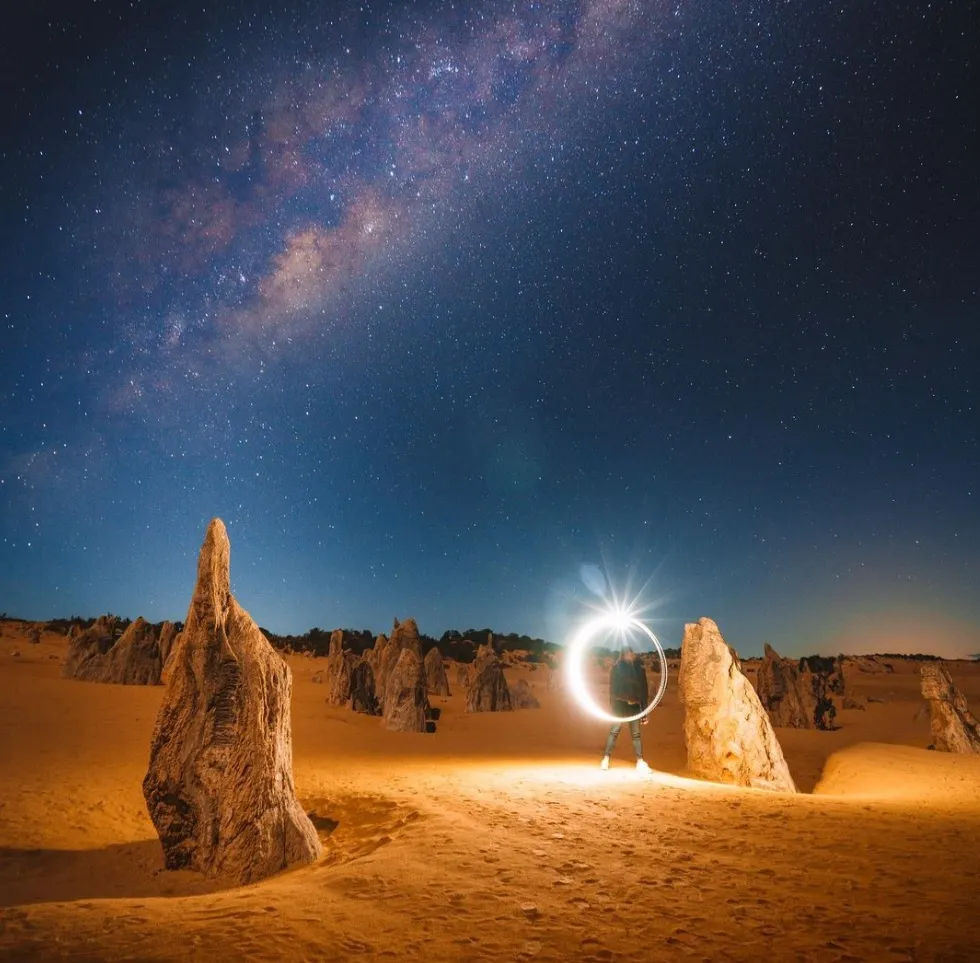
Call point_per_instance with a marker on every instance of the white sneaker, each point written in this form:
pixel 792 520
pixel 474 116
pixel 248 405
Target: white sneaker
pixel 641 766
pixel 604 765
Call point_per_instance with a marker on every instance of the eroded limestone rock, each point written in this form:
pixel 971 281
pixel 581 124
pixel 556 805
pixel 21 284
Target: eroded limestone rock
pixel 521 696
pixel 135 658
pixel 88 650
pixel 488 692
pixel 435 673
pixel 219 788
pixel 796 696
pixel 168 635
pixel 727 732
pixel 954 728
pixel 406 704
pixel 362 691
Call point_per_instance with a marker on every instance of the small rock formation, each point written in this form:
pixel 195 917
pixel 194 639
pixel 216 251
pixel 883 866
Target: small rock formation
pixel 375 654
pixel 728 735
pixel 219 788
pixel 339 671
pixel 168 635
pixel 521 696
pixel 485 654
pixel 362 694
pixel 405 635
pixel 97 654
pixel 854 702
pixel 135 658
pixel 793 695
pixel 86 653
pixel 406 705
pixel 34 635
pixel 831 668
pixel 435 673
pixel 488 691
pixel 463 676
pixel 954 728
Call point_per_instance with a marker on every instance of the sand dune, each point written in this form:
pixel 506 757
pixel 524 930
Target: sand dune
pixel 497 838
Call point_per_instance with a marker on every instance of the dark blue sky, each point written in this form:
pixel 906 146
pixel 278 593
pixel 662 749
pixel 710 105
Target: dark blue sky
pixel 440 309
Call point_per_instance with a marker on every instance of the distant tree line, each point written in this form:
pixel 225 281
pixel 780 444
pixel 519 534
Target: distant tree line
pixel 452 644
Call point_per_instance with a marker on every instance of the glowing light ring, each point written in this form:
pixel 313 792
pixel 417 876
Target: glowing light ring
pixel 576 653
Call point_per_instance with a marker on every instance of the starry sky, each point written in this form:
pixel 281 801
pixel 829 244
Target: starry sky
pixel 475 311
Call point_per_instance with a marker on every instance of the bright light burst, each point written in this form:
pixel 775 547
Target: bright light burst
pixel 621 620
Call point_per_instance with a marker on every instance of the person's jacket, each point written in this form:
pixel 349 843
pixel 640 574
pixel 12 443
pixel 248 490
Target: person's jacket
pixel 628 682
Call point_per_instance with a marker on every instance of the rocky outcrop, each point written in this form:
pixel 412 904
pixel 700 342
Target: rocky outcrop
pixel 830 668
pixel 102 653
pixel 168 635
pixel 135 658
pixel 435 673
pixel 362 692
pixel 219 788
pixel 727 732
pixel 87 652
pixel 521 696
pixel 954 728
pixel 488 692
pixel 793 695
pixel 485 654
pixel 338 675
pixel 463 676
pixel 405 635
pixel 406 705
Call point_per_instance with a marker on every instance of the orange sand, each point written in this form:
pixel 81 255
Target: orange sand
pixel 497 838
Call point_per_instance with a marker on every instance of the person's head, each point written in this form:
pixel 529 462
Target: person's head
pixel 627 654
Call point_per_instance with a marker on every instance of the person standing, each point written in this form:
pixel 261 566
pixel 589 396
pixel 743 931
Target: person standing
pixel 628 696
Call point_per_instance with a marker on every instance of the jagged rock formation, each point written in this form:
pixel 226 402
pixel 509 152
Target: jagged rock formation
pixel 338 675
pixel 362 692
pixel 463 676
pixel 435 673
pixel 485 654
pixel 375 654
pixel 954 728
pixel 219 788
pixel 406 705
pixel 488 692
pixel 135 658
pixel 794 696
pixel 402 633
pixel 831 668
pixel 98 654
pixel 728 735
pixel 86 653
pixel 521 696
pixel 168 635
pixel 405 635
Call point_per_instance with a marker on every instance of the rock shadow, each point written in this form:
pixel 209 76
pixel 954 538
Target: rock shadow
pixel 118 871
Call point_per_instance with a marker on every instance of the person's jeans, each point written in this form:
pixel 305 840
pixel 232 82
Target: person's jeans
pixel 634 734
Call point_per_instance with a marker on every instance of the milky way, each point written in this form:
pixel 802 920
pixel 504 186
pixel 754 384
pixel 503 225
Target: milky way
pixel 441 306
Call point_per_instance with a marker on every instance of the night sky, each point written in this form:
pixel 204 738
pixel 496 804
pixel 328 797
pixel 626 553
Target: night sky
pixel 456 310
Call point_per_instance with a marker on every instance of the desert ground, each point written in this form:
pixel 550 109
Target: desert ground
pixel 495 838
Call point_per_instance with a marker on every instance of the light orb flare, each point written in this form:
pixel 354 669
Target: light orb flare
pixel 613 619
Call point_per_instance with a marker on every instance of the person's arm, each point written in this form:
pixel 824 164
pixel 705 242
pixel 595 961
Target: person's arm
pixel 644 690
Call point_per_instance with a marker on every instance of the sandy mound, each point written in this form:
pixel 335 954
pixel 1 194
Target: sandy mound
pixel 497 838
